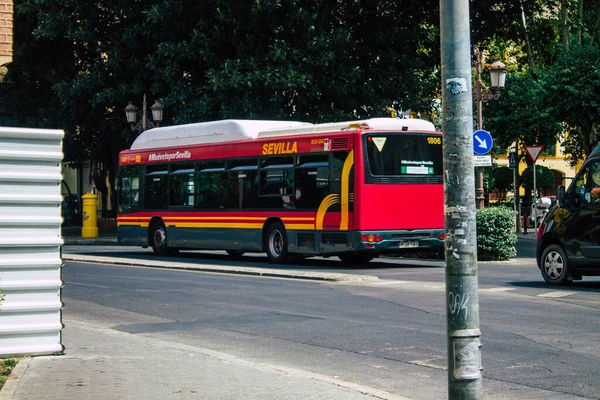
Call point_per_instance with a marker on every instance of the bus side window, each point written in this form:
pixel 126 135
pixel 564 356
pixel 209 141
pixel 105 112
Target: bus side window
pixel 277 182
pixel 312 181
pixel 210 184
pixel 181 185
pixel 155 187
pixel 128 188
pixel 242 176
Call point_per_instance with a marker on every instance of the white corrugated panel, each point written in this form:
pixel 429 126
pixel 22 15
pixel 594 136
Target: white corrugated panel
pixel 30 240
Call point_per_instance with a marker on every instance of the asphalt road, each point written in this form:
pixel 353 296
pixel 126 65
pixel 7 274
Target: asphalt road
pixel 538 341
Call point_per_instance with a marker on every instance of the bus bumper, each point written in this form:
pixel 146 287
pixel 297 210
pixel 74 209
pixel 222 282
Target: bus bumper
pixel 399 241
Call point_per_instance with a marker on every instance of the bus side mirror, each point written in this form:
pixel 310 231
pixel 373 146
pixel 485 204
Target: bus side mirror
pixel 560 196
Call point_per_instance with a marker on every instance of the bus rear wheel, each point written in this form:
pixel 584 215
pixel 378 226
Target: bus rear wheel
pixel 355 258
pixel 158 239
pixel 276 243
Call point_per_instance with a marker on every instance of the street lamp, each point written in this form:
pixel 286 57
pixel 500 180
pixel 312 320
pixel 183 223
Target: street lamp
pixel 483 94
pixel 131 114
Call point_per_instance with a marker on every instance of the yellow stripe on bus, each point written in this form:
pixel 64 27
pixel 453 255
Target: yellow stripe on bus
pixel 303 227
pixel 140 219
pixel 345 196
pixel 216 225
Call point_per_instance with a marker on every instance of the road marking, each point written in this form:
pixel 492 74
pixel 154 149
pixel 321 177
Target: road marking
pixel 416 285
pixel 390 282
pixel 556 294
pixel 497 289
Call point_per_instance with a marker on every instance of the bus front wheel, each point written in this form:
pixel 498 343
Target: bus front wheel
pixel 276 244
pixel 158 238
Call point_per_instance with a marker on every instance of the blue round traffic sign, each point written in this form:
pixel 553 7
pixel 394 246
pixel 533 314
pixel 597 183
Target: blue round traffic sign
pixel 482 142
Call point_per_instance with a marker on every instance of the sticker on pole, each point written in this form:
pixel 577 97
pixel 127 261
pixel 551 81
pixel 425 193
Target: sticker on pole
pixel 534 152
pixel 379 142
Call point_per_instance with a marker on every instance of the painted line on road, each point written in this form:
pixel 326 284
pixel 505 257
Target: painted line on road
pixel 410 284
pixel 497 289
pixel 556 294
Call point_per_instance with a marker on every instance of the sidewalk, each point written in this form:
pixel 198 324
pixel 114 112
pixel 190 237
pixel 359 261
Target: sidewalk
pixel 106 236
pixel 101 363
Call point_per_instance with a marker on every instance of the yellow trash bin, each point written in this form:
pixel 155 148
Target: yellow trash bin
pixel 89 227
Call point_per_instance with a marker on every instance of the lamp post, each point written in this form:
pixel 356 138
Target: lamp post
pixel 483 94
pixel 140 126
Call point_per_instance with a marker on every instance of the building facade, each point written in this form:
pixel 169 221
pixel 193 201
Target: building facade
pixel 6 35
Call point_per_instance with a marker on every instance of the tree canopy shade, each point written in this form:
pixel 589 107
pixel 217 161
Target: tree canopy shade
pixel 544 179
pixel 214 59
pixel 573 93
pixel 78 62
pixel 500 178
pixel 521 115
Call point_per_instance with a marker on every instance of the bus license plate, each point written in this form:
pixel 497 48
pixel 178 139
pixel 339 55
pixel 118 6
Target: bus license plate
pixel 412 243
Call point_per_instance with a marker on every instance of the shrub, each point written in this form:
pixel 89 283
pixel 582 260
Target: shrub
pixel 6 367
pixel 496 234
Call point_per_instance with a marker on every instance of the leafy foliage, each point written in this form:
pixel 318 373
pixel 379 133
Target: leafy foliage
pixel 6 367
pixel 495 234
pixel 520 115
pixel 77 63
pixel 544 178
pixel 499 179
pixel 572 89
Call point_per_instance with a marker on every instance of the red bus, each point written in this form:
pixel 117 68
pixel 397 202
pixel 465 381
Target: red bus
pixel 354 190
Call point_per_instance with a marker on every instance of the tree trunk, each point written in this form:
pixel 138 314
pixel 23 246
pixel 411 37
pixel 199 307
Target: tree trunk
pixel 594 31
pixel 580 17
pixel 564 20
pixel 530 56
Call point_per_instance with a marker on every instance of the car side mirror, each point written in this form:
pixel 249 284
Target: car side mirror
pixel 560 196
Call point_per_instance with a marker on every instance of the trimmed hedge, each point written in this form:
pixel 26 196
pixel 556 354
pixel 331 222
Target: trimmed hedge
pixel 496 234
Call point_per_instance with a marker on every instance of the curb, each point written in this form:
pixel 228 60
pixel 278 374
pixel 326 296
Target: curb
pixel 252 271
pixel 90 242
pixel 13 380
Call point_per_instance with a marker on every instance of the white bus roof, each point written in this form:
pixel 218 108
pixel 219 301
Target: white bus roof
pixel 232 130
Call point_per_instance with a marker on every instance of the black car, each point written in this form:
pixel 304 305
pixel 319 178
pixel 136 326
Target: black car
pixel 568 243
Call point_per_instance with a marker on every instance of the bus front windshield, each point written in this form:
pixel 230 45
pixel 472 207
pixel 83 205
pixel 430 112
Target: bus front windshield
pixel 404 155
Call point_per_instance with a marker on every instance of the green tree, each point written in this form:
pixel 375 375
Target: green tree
pixel 521 116
pixel 77 63
pixel 571 91
pixel 498 179
pixel 544 178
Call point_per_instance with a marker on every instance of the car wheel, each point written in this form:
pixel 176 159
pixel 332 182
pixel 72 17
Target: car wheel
pixel 158 239
pixel 276 243
pixel 555 266
pixel 355 258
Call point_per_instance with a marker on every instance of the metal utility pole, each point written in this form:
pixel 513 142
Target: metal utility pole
pixel 480 199
pixel 462 301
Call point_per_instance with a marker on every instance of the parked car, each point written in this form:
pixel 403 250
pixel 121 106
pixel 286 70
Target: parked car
pixel 539 208
pixel 568 242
